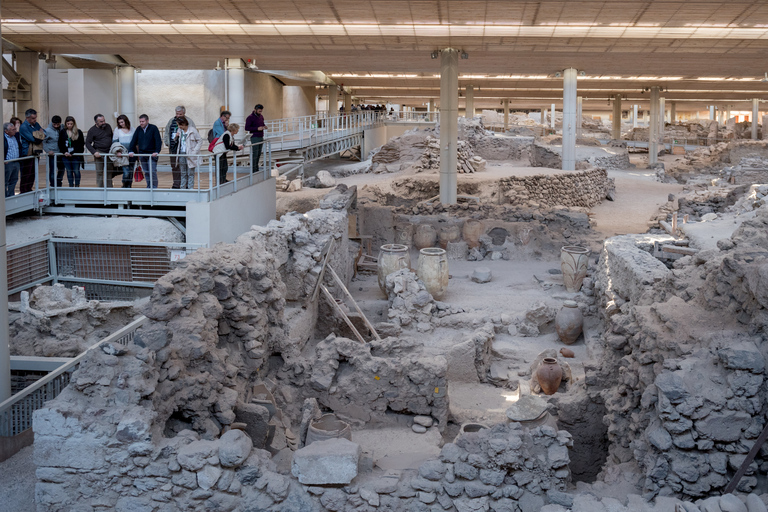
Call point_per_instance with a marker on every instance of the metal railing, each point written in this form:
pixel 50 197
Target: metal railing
pixel 16 412
pixel 109 270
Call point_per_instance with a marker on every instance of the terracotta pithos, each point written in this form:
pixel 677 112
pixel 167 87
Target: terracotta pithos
pixel 569 322
pixel 425 236
pixel 404 234
pixel 573 263
pixel 328 427
pixel 448 234
pixel 472 231
pixel 392 257
pixel 432 269
pixel 549 375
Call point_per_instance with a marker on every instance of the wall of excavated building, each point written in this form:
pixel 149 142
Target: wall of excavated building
pixel 682 373
pixel 575 188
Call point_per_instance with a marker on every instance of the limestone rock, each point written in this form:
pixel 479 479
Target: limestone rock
pixel 333 461
pixel 481 275
pixel 234 448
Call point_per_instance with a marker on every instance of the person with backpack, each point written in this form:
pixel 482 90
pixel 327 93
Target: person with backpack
pixel 220 126
pixel 255 124
pixel 223 144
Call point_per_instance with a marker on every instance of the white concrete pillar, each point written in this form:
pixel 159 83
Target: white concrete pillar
pixel 579 115
pixel 755 113
pixel 431 105
pixel 552 116
pixel 449 123
pixel 543 116
pixel 634 116
pixel 506 114
pixel 653 127
pixel 662 117
pixel 333 100
pixel 616 124
pixel 672 112
pixel 727 113
pixel 570 109
pixel 5 349
pixel 711 112
pixel 236 91
pixel 127 80
pixel 469 110
pixel 347 103
pixel 765 126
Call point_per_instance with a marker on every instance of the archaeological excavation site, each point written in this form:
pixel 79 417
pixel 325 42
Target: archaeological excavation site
pixel 586 340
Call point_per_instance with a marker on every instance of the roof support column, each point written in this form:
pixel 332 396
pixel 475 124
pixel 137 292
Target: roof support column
pixel 634 116
pixel 579 119
pixel 506 114
pixel 672 112
pixel 431 105
pixel 127 80
pixel 552 117
pixel 469 110
pixel 347 103
pixel 570 109
pixel 333 100
pixel 616 124
pixel 653 128
pixel 235 90
pixel 544 116
pixel 5 350
pixel 662 117
pixel 711 112
pixel 755 113
pixel 449 123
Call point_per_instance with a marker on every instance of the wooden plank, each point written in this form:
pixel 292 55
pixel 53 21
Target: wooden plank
pixel 354 303
pixel 352 227
pixel 327 251
pixel 750 457
pixel 687 251
pixel 340 310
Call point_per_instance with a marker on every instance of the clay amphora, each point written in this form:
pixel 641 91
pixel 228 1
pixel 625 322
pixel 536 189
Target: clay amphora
pixel 425 236
pixel 569 322
pixel 448 234
pixel 404 234
pixel 573 263
pixel 432 269
pixel 327 427
pixel 549 375
pixel 392 257
pixel 472 231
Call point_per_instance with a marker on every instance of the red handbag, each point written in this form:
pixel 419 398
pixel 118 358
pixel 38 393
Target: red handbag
pixel 138 174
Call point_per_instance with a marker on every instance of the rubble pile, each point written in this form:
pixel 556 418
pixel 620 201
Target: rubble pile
pixel 466 162
pixel 55 321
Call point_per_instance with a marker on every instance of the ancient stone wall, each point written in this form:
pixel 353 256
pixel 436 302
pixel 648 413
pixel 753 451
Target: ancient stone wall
pixel 574 188
pixel 683 369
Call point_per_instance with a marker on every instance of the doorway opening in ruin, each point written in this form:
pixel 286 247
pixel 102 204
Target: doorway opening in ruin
pixel 176 423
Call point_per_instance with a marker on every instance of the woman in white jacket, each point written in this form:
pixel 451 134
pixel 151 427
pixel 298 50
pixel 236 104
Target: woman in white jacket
pixel 189 144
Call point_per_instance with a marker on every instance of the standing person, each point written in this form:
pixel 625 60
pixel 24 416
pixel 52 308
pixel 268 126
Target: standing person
pixel 171 140
pixel 220 126
pixel 256 126
pixel 32 136
pixel 121 141
pixel 51 146
pixel 188 143
pixel 98 140
pixel 12 143
pixel 146 140
pixel 16 122
pixel 228 141
pixel 71 142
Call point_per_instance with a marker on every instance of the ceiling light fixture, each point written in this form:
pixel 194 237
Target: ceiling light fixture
pixel 433 54
pixel 765 79
pixel 464 55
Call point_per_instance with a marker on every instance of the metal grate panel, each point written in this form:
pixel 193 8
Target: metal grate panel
pixel 28 264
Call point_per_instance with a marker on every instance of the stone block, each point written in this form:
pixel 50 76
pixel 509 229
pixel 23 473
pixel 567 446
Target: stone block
pixel 724 425
pixel 192 456
pixel 333 461
pixel 234 448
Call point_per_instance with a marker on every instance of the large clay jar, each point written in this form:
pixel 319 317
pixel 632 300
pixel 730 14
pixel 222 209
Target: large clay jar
pixel 448 235
pixel 404 234
pixel 328 427
pixel 392 257
pixel 573 263
pixel 425 236
pixel 432 269
pixel 472 231
pixel 569 322
pixel 549 375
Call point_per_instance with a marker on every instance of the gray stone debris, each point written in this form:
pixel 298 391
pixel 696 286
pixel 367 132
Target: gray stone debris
pixel 333 461
pixel 481 275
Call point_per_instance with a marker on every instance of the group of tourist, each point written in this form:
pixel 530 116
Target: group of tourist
pixel 122 151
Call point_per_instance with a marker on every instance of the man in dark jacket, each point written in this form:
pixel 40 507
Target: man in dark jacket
pixel 147 141
pixel 98 140
pixel 254 123
pixel 31 134
pixel 12 143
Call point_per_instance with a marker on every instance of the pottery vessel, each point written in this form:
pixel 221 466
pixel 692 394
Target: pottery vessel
pixel 432 269
pixel 573 263
pixel 549 375
pixel 404 234
pixel 468 428
pixel 448 235
pixel 472 231
pixel 392 257
pixel 328 427
pixel 569 322
pixel 424 236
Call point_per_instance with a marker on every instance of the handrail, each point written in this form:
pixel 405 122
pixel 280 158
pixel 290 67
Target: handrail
pixel 122 337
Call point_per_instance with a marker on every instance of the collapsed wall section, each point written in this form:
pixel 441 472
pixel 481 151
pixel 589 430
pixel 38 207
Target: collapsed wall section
pixel 574 188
